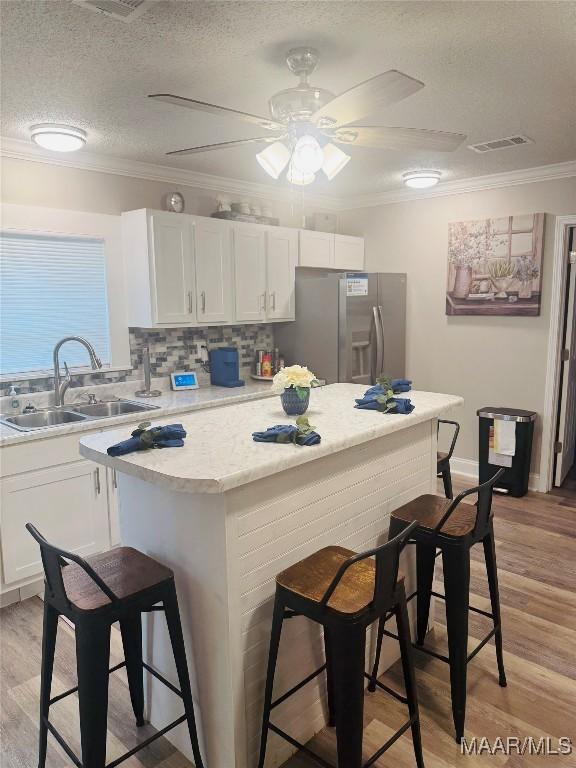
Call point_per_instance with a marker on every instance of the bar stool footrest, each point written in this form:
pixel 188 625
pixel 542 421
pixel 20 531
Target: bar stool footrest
pixel 391 691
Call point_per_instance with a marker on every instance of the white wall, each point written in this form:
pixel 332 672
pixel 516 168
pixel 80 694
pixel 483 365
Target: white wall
pixel 487 360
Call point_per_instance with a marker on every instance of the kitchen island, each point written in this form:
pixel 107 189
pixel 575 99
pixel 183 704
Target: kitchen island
pixel 227 514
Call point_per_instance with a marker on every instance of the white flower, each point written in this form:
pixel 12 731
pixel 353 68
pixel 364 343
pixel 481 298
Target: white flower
pixel 293 376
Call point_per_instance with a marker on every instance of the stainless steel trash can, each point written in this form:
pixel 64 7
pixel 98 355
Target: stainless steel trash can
pixel 514 481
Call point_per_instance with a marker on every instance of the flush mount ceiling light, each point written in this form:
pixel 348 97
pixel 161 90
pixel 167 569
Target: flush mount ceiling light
pixel 421 179
pixel 57 137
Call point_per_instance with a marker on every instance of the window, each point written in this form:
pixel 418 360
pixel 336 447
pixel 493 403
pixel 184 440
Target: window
pixel 51 287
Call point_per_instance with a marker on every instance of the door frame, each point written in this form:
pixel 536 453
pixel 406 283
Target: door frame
pixel 552 388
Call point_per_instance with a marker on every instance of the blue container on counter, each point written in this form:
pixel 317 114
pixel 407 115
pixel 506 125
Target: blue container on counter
pixel 225 367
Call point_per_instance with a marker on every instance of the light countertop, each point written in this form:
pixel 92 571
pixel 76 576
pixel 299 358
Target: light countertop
pixel 169 403
pixel 219 453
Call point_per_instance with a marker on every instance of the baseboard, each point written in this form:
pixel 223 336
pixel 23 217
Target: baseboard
pixel 468 468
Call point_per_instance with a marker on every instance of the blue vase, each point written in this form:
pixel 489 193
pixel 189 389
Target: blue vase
pixel 292 404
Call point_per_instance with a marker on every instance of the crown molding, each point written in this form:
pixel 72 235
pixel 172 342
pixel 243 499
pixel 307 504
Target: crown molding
pixel 26 150
pixel 461 186
pixel 89 161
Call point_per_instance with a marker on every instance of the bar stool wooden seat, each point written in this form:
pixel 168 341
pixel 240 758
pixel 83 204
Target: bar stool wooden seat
pixel 443 459
pixel 93 593
pixel 345 592
pixel 454 529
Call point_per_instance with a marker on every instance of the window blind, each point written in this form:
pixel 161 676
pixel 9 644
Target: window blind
pixel 51 287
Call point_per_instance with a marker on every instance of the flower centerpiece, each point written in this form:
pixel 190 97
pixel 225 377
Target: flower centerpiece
pixel 293 385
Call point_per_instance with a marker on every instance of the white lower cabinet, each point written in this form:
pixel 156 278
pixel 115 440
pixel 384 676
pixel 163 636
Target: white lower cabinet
pixel 69 506
pixel 113 509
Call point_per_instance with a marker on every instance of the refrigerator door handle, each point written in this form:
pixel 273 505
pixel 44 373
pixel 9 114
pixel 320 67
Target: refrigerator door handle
pixel 382 336
pixel 376 358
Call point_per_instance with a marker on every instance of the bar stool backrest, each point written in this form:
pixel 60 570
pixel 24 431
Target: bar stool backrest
pixel 54 559
pixel 456 427
pixel 387 557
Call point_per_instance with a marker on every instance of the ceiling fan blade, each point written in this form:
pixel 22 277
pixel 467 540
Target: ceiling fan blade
pixel 368 97
pixel 221 145
pixel 202 106
pixel 380 137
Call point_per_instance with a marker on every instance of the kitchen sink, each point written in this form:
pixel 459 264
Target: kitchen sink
pixel 111 408
pixel 25 422
pixel 54 417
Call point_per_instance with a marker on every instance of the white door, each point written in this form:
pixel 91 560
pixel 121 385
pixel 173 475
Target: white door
pixel 68 505
pixel 173 269
pixel 213 251
pixel 567 425
pixel 249 273
pixel 348 252
pixel 281 260
pixel 316 249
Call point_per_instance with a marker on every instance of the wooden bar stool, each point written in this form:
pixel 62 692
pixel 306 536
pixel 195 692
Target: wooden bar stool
pixel 345 592
pixel 454 529
pixel 443 459
pixel 114 586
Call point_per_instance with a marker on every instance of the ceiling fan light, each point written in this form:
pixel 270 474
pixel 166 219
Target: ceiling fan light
pixel 58 138
pixel 274 158
pixel 308 156
pixel 295 176
pixel 334 160
pixel 421 179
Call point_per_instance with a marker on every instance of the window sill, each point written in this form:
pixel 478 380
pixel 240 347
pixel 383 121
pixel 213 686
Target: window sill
pixel 49 372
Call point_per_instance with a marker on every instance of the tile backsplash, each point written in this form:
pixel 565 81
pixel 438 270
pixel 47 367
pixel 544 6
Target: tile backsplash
pixel 171 349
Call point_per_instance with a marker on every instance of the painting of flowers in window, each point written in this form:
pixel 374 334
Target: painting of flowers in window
pixel 495 266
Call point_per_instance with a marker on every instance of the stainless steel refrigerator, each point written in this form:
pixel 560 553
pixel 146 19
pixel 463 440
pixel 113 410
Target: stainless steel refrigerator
pixel 349 326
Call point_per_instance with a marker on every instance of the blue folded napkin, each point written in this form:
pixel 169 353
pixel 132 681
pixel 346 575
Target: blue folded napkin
pixel 286 433
pixel 370 403
pixel 170 436
pixel 396 385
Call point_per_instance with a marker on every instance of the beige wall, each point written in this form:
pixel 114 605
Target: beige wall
pixel 487 360
pixel 31 183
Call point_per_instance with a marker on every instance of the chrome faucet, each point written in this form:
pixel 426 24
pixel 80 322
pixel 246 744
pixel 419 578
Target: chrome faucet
pixel 59 386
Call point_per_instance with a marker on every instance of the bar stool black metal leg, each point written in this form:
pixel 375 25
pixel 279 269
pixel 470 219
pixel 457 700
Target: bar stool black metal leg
pixel 380 637
pixel 349 659
pixel 48 647
pixel 425 561
pixel 172 612
pixel 456 562
pixel 328 642
pixel 490 557
pixel 131 629
pixel 409 678
pixel 447 480
pixel 277 620
pixel 92 660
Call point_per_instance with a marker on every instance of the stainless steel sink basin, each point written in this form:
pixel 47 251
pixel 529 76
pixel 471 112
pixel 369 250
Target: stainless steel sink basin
pixel 25 422
pixel 111 408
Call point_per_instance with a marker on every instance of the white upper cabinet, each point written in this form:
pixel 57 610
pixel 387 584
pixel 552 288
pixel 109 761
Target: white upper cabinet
pixel 316 249
pixel 281 261
pixel 213 250
pixel 250 293
pixel 328 251
pixel 348 252
pixel 173 296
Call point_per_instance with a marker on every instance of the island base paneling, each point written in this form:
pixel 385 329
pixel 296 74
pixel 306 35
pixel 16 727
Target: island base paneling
pixel 226 550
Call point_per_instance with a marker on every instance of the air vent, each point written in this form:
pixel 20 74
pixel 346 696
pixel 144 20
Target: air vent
pixel 491 146
pixel 123 10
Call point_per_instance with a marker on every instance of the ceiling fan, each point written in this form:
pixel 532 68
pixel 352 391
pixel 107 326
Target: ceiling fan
pixel 308 123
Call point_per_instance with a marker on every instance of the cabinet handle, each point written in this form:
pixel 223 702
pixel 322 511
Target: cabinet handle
pixel 264 301
pixel 203 301
pixel 189 302
pixel 97 481
pixel 273 300
pixel 114 479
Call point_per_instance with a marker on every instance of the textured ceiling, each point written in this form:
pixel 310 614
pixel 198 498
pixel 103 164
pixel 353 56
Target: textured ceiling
pixel 491 69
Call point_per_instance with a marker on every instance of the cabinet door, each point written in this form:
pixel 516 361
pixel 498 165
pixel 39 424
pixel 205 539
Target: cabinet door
pixel 348 252
pixel 172 266
pixel 113 509
pixel 213 252
pixel 68 505
pixel 316 249
pixel 281 260
pixel 249 273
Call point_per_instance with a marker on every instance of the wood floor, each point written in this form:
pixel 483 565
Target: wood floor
pixel 536 549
